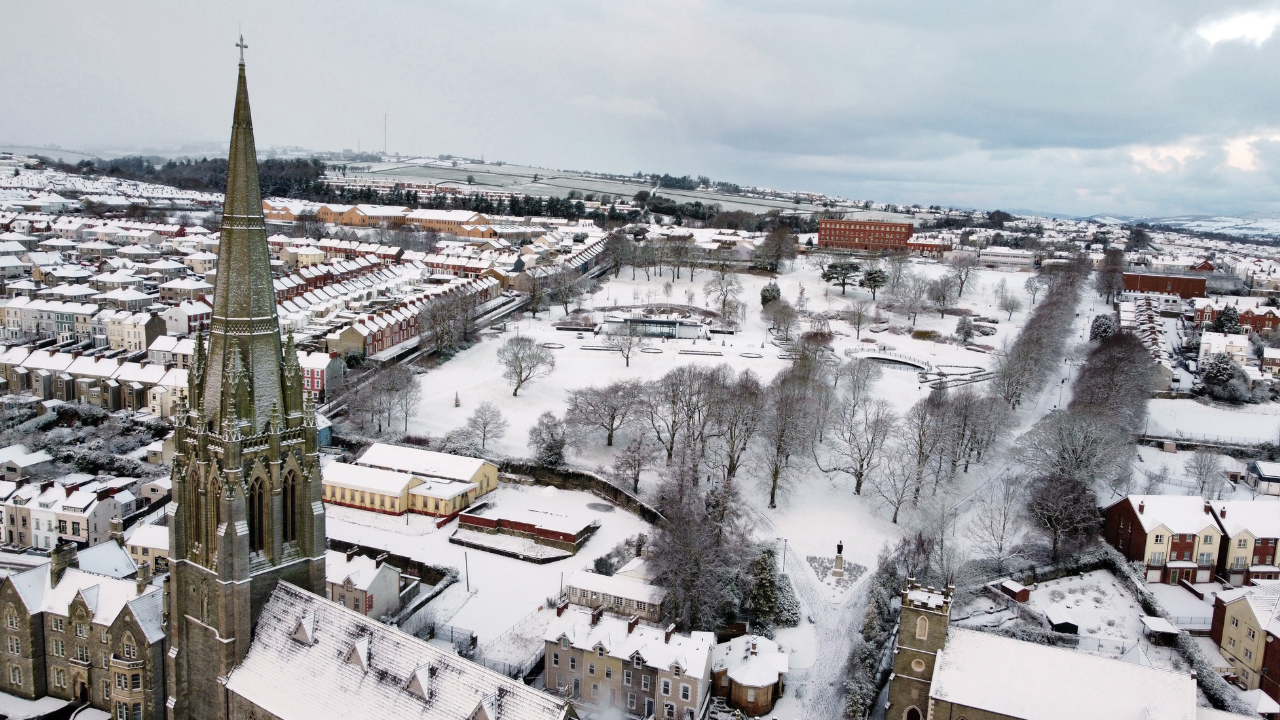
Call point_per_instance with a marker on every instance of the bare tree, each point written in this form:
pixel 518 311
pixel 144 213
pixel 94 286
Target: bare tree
pixel 1010 304
pixel 608 408
pixel 861 429
pixel 537 295
pixel 406 393
pixel 778 246
pixel 859 374
pixel 724 287
pixel 1075 444
pixel 858 315
pixel 1204 468
pixel 896 269
pixel 487 423
pixel 893 484
pixel 782 318
pixel 941 293
pixel 911 294
pixel 736 419
pixel 998 521
pixel 1063 510
pixel 963 266
pixel 627 343
pixel 919 437
pixel 438 325
pixel 785 431
pixel 1033 286
pixel 632 460
pixel 663 400
pixel 564 288
pixel 524 360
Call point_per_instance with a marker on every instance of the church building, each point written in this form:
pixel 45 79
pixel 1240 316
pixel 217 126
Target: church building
pixel 953 673
pixel 251 635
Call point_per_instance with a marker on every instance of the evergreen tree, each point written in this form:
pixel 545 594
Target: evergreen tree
pixel 873 280
pixel 1103 327
pixel 1227 321
pixel 770 293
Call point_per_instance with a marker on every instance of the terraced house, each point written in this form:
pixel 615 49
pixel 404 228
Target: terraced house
pixel 80 636
pixel 1244 629
pixel 605 662
pixel 1176 537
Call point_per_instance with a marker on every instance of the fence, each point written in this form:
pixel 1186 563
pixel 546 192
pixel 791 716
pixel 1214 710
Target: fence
pixel 1100 645
pixel 889 355
pixel 512 671
pixel 460 637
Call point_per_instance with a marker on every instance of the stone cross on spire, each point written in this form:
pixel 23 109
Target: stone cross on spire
pixel 242 47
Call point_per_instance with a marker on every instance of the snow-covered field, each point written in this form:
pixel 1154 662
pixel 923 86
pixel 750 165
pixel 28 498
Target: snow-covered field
pixel 1250 423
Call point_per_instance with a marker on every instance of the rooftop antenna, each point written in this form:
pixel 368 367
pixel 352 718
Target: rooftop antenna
pixel 242 46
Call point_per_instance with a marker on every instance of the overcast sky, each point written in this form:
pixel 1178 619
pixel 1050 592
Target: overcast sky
pixel 1156 107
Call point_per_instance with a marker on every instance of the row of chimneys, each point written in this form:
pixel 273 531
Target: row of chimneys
pixel 632 622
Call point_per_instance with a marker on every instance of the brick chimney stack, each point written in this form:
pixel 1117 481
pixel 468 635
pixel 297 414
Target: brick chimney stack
pixel 117 531
pixel 1142 505
pixel 666 636
pixel 144 577
pixel 561 607
pixel 64 556
pixel 632 622
pixel 596 613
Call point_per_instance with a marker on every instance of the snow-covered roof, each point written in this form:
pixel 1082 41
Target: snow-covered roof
pixel 360 570
pixel 155 537
pixel 106 596
pixel 367 479
pixel 107 559
pixel 691 652
pixel 617 586
pixel 421 462
pixel 357 668
pixel 1179 514
pixel 751 660
pixel 1264 601
pixel 1260 519
pixel 1037 682
pixel 637 568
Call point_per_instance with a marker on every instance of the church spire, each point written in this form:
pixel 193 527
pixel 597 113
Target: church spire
pixel 244 324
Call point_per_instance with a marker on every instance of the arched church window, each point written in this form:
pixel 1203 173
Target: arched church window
pixel 290 498
pixel 256 511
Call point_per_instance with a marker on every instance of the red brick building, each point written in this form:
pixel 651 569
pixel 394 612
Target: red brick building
pixel 1175 537
pixel 866 235
pixel 1253 314
pixel 1184 286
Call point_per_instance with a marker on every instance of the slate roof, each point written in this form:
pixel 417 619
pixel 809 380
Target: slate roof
pixel 311 658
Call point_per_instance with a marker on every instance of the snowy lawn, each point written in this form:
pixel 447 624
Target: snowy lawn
pixel 1179 602
pixel 1098 605
pixel 1249 423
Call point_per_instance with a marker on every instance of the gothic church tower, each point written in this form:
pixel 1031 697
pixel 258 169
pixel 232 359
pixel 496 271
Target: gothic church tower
pixel 246 475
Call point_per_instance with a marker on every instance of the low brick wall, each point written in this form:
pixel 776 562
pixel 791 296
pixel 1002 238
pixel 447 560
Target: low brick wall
pixel 571 479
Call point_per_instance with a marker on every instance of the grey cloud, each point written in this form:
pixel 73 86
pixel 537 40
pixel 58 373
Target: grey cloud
pixel 984 103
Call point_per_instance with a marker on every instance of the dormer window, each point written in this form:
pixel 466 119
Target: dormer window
pixel 635 661
pixel 600 651
pixel 564 643
pixel 675 671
